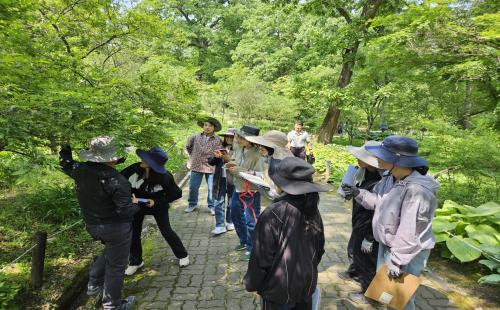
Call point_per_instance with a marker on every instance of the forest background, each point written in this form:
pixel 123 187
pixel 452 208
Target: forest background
pixel 144 71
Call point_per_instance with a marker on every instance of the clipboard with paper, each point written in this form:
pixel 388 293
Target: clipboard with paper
pixel 394 293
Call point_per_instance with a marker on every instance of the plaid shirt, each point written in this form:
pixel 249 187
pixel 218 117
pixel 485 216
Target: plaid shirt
pixel 200 148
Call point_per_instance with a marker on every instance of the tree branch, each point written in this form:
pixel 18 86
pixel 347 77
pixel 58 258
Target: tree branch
pixel 344 14
pixel 103 43
pixel 186 16
pixel 61 36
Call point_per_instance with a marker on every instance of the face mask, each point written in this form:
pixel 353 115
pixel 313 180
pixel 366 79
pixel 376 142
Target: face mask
pixel 266 159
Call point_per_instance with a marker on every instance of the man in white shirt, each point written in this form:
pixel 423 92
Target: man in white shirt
pixel 298 140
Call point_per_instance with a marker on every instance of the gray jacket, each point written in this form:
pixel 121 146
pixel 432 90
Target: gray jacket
pixel 403 214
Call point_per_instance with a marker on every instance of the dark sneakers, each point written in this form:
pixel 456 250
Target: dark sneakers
pixel 93 290
pixel 240 247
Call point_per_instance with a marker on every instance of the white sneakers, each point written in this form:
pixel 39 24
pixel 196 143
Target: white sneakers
pixel 183 262
pixel 230 226
pixel 212 211
pixel 131 269
pixel 219 230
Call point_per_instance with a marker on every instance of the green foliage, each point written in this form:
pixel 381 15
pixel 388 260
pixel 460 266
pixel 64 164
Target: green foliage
pixel 339 160
pixel 469 233
pixel 8 292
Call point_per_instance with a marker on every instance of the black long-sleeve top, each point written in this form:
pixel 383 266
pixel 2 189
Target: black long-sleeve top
pixel 161 188
pixel 103 193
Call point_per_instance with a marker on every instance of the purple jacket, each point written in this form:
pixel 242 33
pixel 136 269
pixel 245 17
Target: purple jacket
pixel 403 214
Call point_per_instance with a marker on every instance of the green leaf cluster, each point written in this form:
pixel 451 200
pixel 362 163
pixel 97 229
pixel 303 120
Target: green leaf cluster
pixel 469 233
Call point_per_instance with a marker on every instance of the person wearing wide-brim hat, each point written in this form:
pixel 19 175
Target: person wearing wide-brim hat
pixel 245 202
pixel 273 143
pixel 200 147
pixel 155 188
pixel 362 248
pixel 107 207
pixel 402 223
pixel 288 240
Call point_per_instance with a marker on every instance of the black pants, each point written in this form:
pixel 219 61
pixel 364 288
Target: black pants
pixel 108 269
pixel 364 266
pixel 163 222
pixel 269 305
pixel 299 152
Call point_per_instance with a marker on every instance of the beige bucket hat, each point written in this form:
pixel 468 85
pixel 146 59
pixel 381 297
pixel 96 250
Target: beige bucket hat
pixel 362 154
pixel 274 139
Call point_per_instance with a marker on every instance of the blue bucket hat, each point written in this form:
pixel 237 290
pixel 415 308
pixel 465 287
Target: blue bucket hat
pixel 400 151
pixel 156 158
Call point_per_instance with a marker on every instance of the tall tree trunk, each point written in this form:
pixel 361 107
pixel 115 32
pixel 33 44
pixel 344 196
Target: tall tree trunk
pixel 467 105
pixel 331 119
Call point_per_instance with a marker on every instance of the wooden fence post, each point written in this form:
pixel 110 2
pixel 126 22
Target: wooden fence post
pixel 38 259
pixel 327 165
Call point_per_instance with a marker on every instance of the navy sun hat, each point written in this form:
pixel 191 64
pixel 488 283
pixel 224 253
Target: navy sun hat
pixel 399 151
pixel 156 158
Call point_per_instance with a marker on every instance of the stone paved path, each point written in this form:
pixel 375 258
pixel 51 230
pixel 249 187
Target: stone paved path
pixel 213 280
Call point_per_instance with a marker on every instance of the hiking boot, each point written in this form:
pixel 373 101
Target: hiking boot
pixel 127 303
pixel 358 298
pixel 190 209
pixel 93 290
pixel 183 262
pixel 230 226
pixel 245 256
pixel 131 269
pixel 240 247
pixel 219 230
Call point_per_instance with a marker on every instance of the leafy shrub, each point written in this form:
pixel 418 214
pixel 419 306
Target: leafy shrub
pixel 8 292
pixel 338 157
pixel 470 233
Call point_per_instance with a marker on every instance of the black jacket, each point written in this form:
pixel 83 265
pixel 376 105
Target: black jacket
pixel 218 181
pixel 103 193
pixel 361 217
pixel 283 266
pixel 159 187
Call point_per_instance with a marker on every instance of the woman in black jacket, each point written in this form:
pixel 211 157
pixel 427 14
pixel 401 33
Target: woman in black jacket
pixel 288 240
pixel 154 188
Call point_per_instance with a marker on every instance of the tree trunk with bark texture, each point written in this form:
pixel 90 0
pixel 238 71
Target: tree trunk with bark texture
pixel 331 119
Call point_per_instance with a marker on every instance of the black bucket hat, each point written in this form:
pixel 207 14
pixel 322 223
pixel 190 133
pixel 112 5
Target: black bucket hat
pixel 294 176
pixel 211 120
pixel 248 130
pixel 156 158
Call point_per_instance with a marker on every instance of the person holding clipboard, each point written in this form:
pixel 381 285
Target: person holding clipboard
pixel 402 222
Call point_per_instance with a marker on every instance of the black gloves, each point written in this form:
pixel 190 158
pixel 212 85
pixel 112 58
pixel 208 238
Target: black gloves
pixel 350 191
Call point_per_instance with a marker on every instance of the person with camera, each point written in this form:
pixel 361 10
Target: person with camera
pixel 154 187
pixel 222 184
pixel 105 200
pixel 298 140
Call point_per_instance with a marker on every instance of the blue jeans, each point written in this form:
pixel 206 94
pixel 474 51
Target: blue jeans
pixel 244 219
pixel 414 267
pixel 194 187
pixel 108 269
pixel 219 205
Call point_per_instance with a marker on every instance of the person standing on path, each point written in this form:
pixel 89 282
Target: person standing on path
pixel 362 247
pixel 288 240
pixel 222 184
pixel 155 187
pixel 245 203
pixel 105 200
pixel 200 148
pixel 402 223
pixel 298 140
